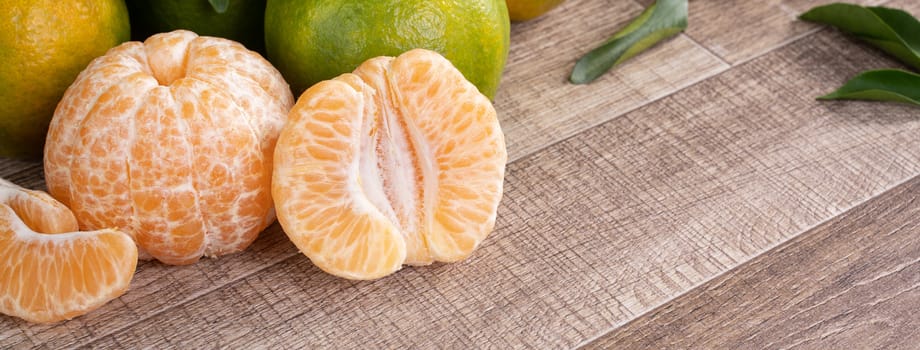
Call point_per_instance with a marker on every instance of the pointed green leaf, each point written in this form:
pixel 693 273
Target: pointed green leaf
pixel 658 22
pixel 892 30
pixel 892 85
pixel 220 6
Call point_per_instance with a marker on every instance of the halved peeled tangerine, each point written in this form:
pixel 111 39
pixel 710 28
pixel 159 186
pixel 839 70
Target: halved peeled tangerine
pixel 50 272
pixel 400 162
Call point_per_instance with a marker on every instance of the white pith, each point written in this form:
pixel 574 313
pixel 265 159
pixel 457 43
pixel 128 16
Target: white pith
pixel 389 170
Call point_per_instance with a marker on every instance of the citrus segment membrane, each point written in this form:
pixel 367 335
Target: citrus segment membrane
pixel 401 162
pixel 49 272
pixel 171 141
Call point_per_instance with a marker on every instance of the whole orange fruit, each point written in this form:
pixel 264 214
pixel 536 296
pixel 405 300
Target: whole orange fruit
pixel 311 41
pixel 50 272
pixel 401 162
pixel 523 10
pixel 43 46
pixel 171 140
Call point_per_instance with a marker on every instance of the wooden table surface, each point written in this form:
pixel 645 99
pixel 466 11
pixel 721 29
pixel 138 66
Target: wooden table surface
pixel 696 197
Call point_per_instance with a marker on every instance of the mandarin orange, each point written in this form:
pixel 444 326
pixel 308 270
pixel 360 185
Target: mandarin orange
pixel 49 272
pixel 400 162
pixel 171 140
pixel 43 46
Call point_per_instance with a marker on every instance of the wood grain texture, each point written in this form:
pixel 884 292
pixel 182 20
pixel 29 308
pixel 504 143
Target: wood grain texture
pixel 601 227
pixel 851 283
pixel 23 172
pixel 593 231
pixel 155 287
pixel 738 30
pixel 538 106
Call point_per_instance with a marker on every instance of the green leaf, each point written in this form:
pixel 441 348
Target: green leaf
pixel 892 85
pixel 892 30
pixel 220 6
pixel 658 22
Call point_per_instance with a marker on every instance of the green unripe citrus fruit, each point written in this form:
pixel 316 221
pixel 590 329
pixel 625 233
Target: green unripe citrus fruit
pixel 311 41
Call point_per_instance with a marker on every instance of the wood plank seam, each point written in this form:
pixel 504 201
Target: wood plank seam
pixel 712 53
pixel 788 41
pixel 779 245
pixel 782 44
pixel 839 304
pixel 613 116
pixel 697 43
pixel 194 296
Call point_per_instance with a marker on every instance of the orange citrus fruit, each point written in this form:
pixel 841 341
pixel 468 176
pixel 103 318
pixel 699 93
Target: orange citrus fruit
pixel 43 46
pixel 523 10
pixel 49 271
pixel 171 141
pixel 401 162
pixel 311 41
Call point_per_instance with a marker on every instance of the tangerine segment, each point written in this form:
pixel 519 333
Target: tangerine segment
pixel 460 146
pixel 80 98
pixel 163 195
pixel 94 177
pixel 401 162
pixel 234 175
pixel 171 140
pixel 60 274
pixel 317 190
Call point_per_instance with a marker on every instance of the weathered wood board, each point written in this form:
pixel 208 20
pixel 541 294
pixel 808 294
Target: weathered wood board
pixel 675 176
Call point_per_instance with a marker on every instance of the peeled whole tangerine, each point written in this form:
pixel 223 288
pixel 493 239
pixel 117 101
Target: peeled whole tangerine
pixel 50 272
pixel 171 140
pixel 401 162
